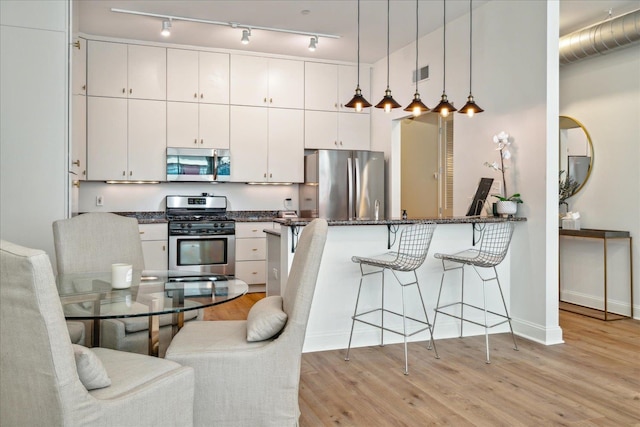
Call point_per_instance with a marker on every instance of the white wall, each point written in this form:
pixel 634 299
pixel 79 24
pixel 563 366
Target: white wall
pixel 33 141
pixel 151 197
pixel 515 80
pixel 603 93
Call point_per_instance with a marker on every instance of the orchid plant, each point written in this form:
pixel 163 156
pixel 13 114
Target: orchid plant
pixel 503 141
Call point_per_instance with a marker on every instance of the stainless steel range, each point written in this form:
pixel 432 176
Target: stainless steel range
pixel 201 236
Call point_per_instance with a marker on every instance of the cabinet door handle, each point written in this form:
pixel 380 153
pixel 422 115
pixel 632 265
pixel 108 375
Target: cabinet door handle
pixel 164 248
pixel 195 141
pixel 77 163
pixel 335 105
pixel 130 173
pixel 124 173
pixel 84 87
pixel 265 175
pixel 195 95
pixel 130 90
pixel 270 175
pixel 270 100
pixel 265 100
pixel 202 141
pixel 201 95
pixel 254 250
pixel 142 232
pixel 124 90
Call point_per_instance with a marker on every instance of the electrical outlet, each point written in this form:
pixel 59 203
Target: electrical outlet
pixel 99 201
pixel 275 273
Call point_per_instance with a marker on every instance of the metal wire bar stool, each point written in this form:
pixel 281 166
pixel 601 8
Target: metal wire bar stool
pixel 412 251
pixel 494 245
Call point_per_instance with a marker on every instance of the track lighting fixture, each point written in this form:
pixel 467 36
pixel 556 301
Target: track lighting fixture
pixel 470 108
pixel 444 107
pixel 245 36
pixel 358 101
pixel 246 32
pixel 166 28
pixel 313 43
pixel 417 107
pixel 388 103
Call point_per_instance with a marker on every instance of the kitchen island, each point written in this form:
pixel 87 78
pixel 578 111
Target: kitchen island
pixel 336 290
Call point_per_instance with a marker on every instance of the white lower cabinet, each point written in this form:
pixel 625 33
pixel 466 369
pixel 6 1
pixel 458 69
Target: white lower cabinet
pixel 251 250
pixel 154 239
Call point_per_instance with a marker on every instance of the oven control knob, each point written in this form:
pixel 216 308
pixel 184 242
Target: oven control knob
pixel 183 225
pixel 189 225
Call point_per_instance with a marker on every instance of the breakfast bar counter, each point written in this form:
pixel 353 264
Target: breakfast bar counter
pixel 336 290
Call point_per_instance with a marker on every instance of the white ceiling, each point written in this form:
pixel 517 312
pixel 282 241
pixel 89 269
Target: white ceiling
pixel 337 17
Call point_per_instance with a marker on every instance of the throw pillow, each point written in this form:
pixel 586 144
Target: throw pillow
pixel 90 369
pixel 266 319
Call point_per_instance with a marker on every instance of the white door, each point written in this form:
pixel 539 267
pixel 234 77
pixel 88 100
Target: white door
pixel 79 67
pixel 79 137
pixel 249 80
pixel 286 83
pixel 320 86
pixel 320 129
pixel 147 72
pixel 106 138
pixel 182 124
pixel 214 77
pixel 182 75
pixel 107 69
pixel 147 140
pixel 286 145
pixel 354 132
pixel 214 126
pixel 249 143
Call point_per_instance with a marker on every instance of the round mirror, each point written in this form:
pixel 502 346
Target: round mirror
pixel 576 156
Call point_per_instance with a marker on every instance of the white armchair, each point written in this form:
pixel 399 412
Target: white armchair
pixel 92 242
pixel 254 383
pixel 46 379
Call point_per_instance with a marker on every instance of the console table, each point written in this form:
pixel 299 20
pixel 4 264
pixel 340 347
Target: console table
pixel 603 235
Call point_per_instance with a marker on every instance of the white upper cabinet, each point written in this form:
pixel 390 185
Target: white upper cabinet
pixel 342 131
pixel 267 144
pixel 197 125
pixel 328 86
pixel 126 139
pixel 194 76
pixel 126 71
pixel 79 137
pixel 267 82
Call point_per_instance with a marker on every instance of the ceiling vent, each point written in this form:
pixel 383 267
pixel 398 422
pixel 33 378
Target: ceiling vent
pixel 601 38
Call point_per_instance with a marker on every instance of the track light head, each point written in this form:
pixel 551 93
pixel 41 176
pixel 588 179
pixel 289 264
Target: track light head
pixel 166 28
pixel 313 43
pixel 245 36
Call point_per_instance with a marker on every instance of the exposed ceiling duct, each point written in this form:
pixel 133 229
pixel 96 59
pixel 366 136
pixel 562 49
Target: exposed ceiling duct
pixel 601 38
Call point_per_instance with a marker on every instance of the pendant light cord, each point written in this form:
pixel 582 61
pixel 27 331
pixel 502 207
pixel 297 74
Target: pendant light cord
pixel 416 76
pixel 388 9
pixel 358 79
pixel 470 42
pixel 444 46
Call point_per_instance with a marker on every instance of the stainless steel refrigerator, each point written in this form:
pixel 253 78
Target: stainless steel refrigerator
pixel 343 184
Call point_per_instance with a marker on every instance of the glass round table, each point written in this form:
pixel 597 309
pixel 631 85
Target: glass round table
pixel 90 296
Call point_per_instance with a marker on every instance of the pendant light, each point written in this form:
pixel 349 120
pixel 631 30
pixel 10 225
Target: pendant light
pixel 444 107
pixel 417 107
pixel 388 103
pixel 470 108
pixel 358 102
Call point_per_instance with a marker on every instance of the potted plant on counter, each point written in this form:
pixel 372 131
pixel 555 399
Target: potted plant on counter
pixel 506 205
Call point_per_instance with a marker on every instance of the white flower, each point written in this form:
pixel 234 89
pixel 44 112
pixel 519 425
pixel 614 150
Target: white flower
pixel 492 165
pixel 506 154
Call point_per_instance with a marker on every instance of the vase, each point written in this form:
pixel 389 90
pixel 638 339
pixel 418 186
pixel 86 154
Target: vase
pixel 506 207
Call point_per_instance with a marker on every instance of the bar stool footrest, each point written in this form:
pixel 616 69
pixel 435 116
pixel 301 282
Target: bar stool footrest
pixel 455 316
pixel 358 316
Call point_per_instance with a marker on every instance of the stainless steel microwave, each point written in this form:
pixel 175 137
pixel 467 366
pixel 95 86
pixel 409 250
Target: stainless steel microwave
pixel 198 165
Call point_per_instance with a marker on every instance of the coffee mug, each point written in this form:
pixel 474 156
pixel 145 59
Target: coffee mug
pixel 121 275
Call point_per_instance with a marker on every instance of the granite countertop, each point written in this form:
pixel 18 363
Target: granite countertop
pixel 159 217
pixel 398 221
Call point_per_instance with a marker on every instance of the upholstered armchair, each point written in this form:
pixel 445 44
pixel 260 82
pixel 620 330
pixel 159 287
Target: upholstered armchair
pixel 48 381
pixel 248 372
pixel 92 242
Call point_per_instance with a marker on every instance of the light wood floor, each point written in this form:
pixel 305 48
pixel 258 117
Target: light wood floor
pixel 593 379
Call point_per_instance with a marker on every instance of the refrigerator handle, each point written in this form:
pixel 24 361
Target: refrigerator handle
pixel 350 186
pixel 357 188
